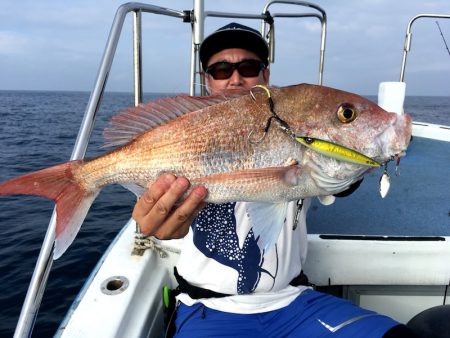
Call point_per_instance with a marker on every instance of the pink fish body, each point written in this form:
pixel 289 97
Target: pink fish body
pixel 207 140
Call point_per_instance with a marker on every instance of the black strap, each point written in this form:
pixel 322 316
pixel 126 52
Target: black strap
pixel 301 279
pixel 196 292
pixel 193 291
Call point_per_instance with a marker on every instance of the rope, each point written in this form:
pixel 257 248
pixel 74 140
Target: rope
pixel 142 243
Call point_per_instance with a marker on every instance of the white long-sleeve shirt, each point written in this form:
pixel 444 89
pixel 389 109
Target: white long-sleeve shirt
pixel 221 253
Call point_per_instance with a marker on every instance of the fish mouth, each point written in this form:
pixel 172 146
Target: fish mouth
pixel 390 156
pixel 332 174
pixel 393 142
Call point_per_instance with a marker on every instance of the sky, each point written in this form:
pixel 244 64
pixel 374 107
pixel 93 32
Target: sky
pixel 58 45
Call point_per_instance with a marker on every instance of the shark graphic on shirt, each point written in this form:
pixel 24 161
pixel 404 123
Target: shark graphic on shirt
pixel 216 237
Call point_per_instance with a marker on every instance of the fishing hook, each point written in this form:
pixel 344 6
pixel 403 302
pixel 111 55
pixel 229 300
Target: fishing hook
pixel 255 142
pixel 283 124
pixel 397 166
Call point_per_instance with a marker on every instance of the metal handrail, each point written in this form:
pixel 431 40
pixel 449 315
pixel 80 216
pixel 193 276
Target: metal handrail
pixel 323 21
pixel 407 45
pixel 198 31
pixel 44 262
pixel 137 57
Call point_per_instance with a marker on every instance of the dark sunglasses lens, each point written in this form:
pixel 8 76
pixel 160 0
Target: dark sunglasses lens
pixel 221 71
pixel 250 68
pixel 246 68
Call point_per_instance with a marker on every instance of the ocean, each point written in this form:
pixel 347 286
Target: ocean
pixel 38 129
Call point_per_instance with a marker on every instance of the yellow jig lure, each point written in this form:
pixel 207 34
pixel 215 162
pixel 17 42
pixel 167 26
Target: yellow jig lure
pixel 336 151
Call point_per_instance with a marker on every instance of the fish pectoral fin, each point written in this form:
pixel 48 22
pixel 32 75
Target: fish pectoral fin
pixel 271 175
pixel 134 188
pixel 267 220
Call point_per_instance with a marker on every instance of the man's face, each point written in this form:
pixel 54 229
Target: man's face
pixel 235 81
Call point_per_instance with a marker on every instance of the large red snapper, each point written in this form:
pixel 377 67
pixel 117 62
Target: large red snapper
pixel 218 142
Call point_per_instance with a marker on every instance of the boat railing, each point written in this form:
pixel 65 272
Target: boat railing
pixel 267 31
pixel 407 45
pixel 196 17
pixel 44 262
pixel 391 94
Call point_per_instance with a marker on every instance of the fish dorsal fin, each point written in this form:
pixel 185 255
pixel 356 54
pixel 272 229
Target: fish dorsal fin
pixel 133 121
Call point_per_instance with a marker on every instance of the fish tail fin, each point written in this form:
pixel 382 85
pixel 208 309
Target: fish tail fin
pixel 58 183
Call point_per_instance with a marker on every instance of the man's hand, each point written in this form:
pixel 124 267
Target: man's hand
pixel 156 213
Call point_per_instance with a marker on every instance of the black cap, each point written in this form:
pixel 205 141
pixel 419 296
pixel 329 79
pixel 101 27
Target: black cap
pixel 234 35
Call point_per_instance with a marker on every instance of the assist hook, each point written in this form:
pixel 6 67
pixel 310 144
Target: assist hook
pixel 283 124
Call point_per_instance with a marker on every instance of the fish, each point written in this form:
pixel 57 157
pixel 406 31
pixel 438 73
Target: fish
pixel 207 140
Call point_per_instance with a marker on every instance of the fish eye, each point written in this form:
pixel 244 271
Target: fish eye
pixel 346 113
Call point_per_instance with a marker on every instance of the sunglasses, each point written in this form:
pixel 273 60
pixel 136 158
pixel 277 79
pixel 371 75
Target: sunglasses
pixel 223 70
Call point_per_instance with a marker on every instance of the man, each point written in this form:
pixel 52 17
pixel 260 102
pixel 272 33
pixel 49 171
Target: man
pixel 229 285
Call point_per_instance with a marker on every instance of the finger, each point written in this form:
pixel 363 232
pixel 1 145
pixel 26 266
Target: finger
pixel 164 205
pixel 186 210
pixel 182 217
pixel 152 195
pixel 184 228
pixel 162 208
pixel 178 223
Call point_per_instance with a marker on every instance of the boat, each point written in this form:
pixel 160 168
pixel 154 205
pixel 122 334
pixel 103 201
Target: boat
pixel 401 276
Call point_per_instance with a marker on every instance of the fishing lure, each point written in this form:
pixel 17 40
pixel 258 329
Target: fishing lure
pixel 336 151
pixel 385 182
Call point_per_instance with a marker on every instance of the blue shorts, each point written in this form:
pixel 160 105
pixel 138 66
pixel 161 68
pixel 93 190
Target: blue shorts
pixel 312 314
